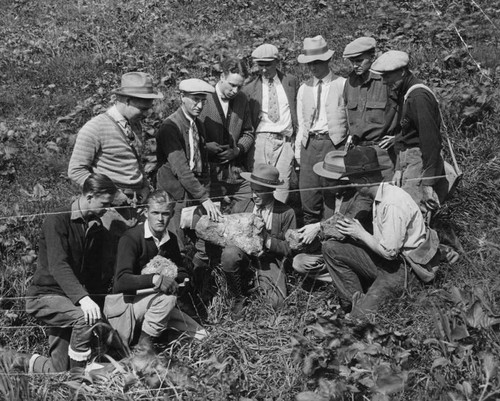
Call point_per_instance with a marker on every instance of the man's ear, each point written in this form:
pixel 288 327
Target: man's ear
pixel 89 196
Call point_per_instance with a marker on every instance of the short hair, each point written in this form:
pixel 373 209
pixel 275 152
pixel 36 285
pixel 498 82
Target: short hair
pixel 234 65
pixel 99 184
pixel 160 196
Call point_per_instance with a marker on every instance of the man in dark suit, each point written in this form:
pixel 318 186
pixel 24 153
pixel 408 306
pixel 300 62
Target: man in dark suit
pixel 269 270
pixel 229 133
pixel 272 96
pixel 182 154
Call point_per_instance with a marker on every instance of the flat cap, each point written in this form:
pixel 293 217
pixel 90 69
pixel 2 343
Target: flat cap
pixel 390 61
pixel 195 86
pixel 359 46
pixel 265 52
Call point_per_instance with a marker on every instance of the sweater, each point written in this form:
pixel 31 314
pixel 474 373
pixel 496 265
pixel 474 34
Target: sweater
pixel 102 147
pixel 134 252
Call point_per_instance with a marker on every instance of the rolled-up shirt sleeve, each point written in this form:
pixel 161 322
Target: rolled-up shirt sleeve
pixel 390 230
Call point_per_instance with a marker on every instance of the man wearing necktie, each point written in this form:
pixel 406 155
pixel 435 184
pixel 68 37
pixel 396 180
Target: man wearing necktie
pixel 270 278
pixel 322 125
pixel 182 155
pixel 272 96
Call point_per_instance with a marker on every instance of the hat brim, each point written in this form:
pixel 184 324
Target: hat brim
pixel 351 55
pixel 303 59
pixel 139 95
pixel 319 170
pixel 248 177
pixel 265 59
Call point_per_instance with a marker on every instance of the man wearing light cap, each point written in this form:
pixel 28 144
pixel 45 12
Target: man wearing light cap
pixel 371 113
pixel 182 154
pixel 418 145
pixel 272 96
pixel 322 125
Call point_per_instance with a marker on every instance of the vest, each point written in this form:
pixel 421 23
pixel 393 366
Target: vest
pixel 335 110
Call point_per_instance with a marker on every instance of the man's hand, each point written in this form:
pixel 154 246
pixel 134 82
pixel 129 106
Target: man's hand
pixel 397 178
pixel 386 142
pixel 213 212
pixel 430 198
pixel 309 232
pixel 351 227
pixel 229 154
pixel 164 284
pixel 90 310
pixel 213 148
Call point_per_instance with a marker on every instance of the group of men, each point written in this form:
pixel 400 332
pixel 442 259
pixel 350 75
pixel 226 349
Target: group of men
pixel 237 144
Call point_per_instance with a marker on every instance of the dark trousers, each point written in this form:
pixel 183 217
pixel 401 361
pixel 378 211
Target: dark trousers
pixel 355 269
pixel 311 194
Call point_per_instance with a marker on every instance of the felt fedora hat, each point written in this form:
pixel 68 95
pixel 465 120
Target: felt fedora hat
pixel 137 84
pixel 265 175
pixel 333 166
pixel 315 49
pixel 361 160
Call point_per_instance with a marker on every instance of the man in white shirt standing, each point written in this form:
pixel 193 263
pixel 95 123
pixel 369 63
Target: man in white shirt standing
pixel 400 237
pixel 322 124
pixel 272 96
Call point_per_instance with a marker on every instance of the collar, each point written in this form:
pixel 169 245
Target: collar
pixel 325 80
pixel 380 192
pixel 117 116
pixel 190 119
pixel 268 207
pixel 76 212
pixel 265 80
pixel 149 234
pixel 219 94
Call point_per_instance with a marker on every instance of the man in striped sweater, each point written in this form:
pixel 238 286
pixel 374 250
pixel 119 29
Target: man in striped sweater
pixel 110 144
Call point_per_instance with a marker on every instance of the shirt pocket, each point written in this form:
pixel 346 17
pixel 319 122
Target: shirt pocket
pixel 375 112
pixel 352 112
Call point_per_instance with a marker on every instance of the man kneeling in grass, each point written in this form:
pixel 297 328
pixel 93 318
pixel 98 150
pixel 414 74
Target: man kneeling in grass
pixel 400 237
pixel 269 270
pixel 73 274
pixel 145 290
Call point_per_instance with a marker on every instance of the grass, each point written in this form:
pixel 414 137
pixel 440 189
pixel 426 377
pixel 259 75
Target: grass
pixel 59 61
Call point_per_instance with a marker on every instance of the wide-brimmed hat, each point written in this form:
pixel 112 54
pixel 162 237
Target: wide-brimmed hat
pixel 265 175
pixel 389 61
pixel 358 46
pixel 333 166
pixel 361 160
pixel 265 52
pixel 137 84
pixel 315 49
pixel 195 86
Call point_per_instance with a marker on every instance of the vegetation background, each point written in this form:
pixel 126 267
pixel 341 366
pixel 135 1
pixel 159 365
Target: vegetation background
pixel 58 62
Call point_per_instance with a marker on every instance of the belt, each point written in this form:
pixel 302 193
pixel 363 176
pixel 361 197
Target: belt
pixel 319 135
pixel 273 134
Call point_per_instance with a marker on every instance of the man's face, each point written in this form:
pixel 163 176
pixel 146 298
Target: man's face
pixel 99 204
pixel 230 84
pixel 393 79
pixel 262 196
pixel 362 63
pixel 193 103
pixel 139 108
pixel 319 69
pixel 330 186
pixel 267 68
pixel 158 215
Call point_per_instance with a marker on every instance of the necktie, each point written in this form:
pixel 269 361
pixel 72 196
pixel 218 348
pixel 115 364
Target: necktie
pixel 318 101
pixel 273 112
pixel 195 163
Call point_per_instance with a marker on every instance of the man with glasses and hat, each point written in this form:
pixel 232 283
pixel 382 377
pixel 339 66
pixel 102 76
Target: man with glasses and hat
pixel 270 278
pixel 322 125
pixel 182 155
pixel 378 261
pixel 111 144
pixel 371 112
pixel 272 96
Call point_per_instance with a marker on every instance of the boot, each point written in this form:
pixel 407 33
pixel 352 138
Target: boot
pixel 233 280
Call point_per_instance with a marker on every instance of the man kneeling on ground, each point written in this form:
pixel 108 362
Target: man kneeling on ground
pixel 146 303
pixel 400 237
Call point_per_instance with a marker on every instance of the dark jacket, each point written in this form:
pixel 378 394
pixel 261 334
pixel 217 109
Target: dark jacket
pixel 173 154
pixel 282 220
pixel 253 90
pixel 233 130
pixel 420 121
pixel 74 259
pixel 134 252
